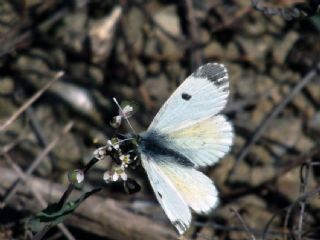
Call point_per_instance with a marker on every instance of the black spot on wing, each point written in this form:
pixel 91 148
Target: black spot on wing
pixel 186 96
pixel 214 72
pixel 157 145
pixel 159 194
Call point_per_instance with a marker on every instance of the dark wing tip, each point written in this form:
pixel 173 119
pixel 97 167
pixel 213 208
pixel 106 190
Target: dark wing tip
pixel 215 72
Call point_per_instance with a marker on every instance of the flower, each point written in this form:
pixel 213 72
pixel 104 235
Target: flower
pixel 124 176
pixel 117 174
pixel 115 177
pixel 116 121
pixel 126 111
pixel 125 159
pixel 107 176
pixel 113 144
pixel 100 153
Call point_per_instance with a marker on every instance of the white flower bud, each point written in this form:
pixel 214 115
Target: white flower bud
pixel 115 177
pixel 116 121
pixel 100 153
pixel 107 176
pixel 127 111
pixel 76 176
pixel 124 176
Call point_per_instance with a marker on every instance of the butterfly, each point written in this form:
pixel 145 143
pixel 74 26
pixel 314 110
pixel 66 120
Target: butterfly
pixel 187 133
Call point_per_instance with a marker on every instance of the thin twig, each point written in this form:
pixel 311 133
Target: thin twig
pixel 286 223
pixel 43 232
pixel 289 208
pixel 266 228
pixel 295 162
pixel 29 102
pixel 35 124
pixel 232 19
pixel 304 177
pixel 275 112
pixel 179 40
pixel 11 45
pixel 9 146
pixel 250 235
pixel 39 159
pixel 196 58
pixel 38 132
pixel 227 228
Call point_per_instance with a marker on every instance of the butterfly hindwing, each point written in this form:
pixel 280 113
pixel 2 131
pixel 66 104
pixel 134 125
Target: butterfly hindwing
pixel 203 94
pixel 196 189
pixel 169 198
pixel 178 187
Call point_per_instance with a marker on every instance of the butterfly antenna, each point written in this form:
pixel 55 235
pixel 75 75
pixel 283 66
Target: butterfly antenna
pixel 124 140
pixel 124 115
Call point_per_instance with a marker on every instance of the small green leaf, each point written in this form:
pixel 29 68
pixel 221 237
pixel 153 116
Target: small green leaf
pixel 53 216
pixel 316 21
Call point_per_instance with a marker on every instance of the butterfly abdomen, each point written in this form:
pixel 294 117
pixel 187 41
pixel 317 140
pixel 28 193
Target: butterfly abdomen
pixel 154 143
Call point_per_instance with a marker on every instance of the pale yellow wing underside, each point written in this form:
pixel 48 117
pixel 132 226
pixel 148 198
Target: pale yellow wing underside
pixel 197 190
pixel 205 142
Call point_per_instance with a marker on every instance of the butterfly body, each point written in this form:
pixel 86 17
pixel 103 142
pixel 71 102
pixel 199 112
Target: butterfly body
pixel 188 132
pixel 158 144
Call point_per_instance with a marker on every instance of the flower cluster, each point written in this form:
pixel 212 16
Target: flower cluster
pixel 118 172
pixel 123 153
pixel 113 144
pixel 123 159
pixel 114 148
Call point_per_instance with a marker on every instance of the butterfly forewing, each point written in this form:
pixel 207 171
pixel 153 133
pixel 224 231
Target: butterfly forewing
pixel 203 94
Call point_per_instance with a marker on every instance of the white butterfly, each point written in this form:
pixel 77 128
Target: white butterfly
pixel 188 133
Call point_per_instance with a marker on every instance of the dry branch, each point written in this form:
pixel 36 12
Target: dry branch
pixel 29 102
pixel 102 216
pixel 38 160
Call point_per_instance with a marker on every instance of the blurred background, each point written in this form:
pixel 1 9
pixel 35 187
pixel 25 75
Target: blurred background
pixel 139 52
